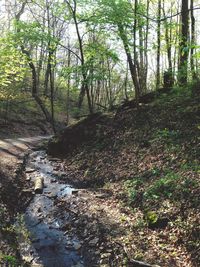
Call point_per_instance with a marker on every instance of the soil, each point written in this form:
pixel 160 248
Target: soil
pixel 139 178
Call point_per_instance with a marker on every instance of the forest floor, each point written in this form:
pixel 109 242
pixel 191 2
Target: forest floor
pixel 138 184
pixel 24 124
pixel 139 179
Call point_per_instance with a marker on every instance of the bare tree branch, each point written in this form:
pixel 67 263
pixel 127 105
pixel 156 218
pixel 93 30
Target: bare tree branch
pixel 65 47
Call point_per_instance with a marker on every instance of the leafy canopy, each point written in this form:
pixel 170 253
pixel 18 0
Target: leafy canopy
pixel 12 67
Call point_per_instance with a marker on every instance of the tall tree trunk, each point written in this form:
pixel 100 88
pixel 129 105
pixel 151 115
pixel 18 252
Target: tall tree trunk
pixel 168 75
pixel 158 47
pixel 194 76
pixel 132 66
pixel 84 86
pixel 136 65
pixel 52 98
pixel 35 88
pixel 41 54
pixel 183 54
pixel 126 83
pixel 68 82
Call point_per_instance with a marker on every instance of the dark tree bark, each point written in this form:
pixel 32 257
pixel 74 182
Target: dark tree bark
pixel 136 64
pixel 194 75
pixel 183 53
pixel 68 82
pixel 168 75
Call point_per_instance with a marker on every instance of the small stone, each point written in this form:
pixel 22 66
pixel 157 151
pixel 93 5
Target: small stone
pixel 19 162
pixel 53 195
pixel 66 227
pixel 94 242
pixel 74 192
pixel 104 265
pixel 77 246
pixel 69 246
pixel 39 210
pixel 27 258
pixel 105 255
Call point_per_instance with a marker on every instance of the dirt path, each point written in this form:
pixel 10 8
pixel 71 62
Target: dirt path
pixel 13 147
pixel 12 150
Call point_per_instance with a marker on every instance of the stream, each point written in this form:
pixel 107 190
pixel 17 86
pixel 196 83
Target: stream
pixel 42 240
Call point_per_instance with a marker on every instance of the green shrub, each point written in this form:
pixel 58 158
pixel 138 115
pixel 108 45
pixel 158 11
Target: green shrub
pixel 151 217
pixel 167 134
pixel 9 260
pixel 163 187
pixel 132 186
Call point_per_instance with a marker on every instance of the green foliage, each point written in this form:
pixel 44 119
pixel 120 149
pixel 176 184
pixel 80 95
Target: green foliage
pixel 170 185
pixel 196 48
pixel 97 52
pixel 190 166
pixel 132 186
pixel 9 260
pixel 167 134
pixel 151 217
pixel 12 68
pixel 115 12
pixel 170 138
pixel 155 171
pixel 21 229
pixel 32 34
pixel 163 187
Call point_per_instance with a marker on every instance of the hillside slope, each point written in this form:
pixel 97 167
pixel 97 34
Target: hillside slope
pixel 148 161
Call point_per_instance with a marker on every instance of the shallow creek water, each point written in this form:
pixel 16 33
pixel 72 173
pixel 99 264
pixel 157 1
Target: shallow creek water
pixel 47 244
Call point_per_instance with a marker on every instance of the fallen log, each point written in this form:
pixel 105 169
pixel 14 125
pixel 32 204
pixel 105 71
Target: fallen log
pixel 39 184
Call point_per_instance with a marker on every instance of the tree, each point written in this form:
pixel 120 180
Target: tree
pixel 111 43
pixel 121 16
pixel 193 41
pixel 12 68
pixel 29 34
pixel 158 46
pixel 184 50
pixel 72 6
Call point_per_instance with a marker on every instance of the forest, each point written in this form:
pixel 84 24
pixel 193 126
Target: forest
pixel 81 57
pixel 99 133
